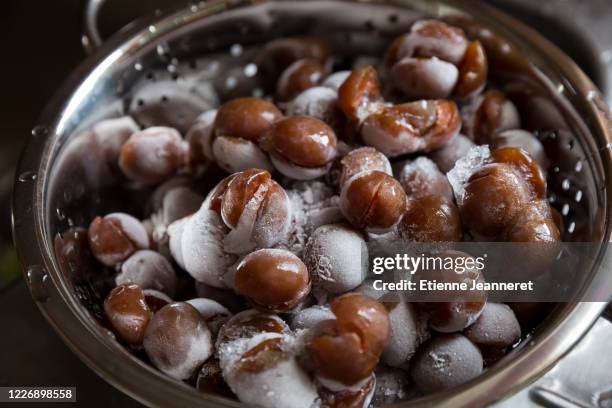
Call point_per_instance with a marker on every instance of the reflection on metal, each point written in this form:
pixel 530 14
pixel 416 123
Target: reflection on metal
pixel 581 379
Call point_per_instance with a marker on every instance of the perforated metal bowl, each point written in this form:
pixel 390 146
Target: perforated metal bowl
pixel 581 166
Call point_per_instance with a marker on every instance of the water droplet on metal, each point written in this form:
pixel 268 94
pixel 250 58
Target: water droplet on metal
pixel 38 281
pixel 591 95
pixel 560 88
pixel 27 176
pixel 40 130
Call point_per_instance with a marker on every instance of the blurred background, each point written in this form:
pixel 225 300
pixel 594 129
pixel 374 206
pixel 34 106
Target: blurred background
pixel 41 45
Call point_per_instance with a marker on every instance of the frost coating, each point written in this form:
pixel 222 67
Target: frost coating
pixel 175 233
pixel 445 362
pixel 446 157
pixel 335 80
pixel 200 135
pixel 212 312
pixel 408 332
pixel 421 177
pixel 458 177
pixel 177 340
pixel 235 154
pixel 149 270
pixel 297 172
pixel 337 258
pixel 278 382
pixel 311 316
pixel 318 102
pixel 202 247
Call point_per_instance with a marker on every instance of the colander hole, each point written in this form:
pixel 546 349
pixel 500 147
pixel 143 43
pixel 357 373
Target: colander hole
pixel 571 227
pixel 258 92
pixel 565 209
pixel 565 185
pixel 236 50
pixel 578 196
pixel 369 25
pixel 393 18
pixel 138 66
pixel 162 50
pixel 150 76
pixel 578 166
pixel 556 169
pixel 548 134
pixel 571 144
pixel 231 82
pixel 164 98
pixel 140 102
pixel 250 70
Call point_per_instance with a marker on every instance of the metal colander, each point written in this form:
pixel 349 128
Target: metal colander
pixel 57 188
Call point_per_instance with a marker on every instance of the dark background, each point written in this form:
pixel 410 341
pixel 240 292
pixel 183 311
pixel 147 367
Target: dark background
pixel 41 44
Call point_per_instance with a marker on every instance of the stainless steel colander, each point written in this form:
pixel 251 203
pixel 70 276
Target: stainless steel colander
pixel 52 193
